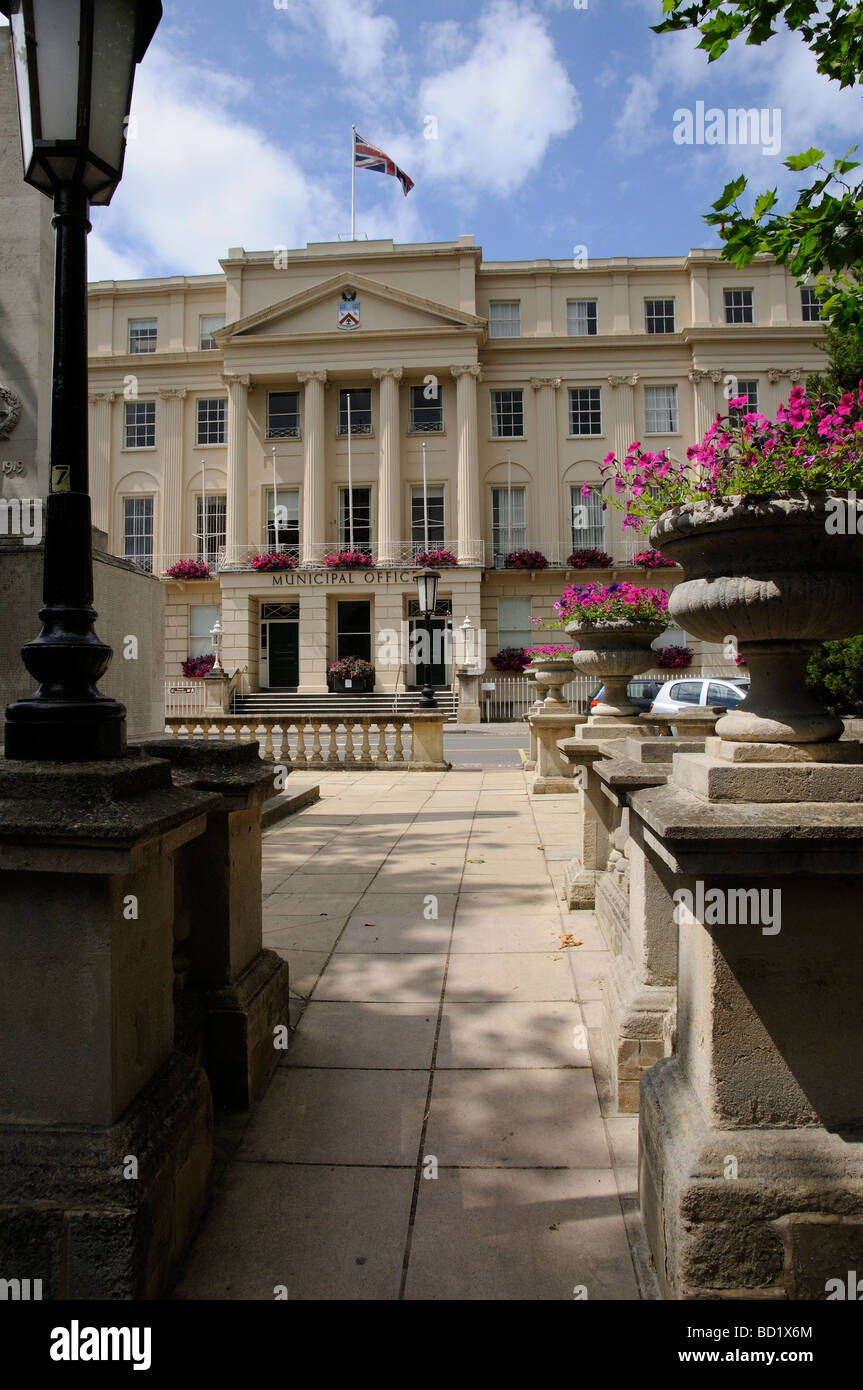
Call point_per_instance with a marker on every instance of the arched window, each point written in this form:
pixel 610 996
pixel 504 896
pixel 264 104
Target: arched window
pixel 588 519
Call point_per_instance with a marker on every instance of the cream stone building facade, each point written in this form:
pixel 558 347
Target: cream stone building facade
pixel 512 380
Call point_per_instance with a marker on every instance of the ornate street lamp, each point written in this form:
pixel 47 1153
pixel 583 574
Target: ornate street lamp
pixel 74 69
pixel 427 595
pixel 216 634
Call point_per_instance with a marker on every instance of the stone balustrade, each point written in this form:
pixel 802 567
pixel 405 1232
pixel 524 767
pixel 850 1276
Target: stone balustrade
pixel 362 743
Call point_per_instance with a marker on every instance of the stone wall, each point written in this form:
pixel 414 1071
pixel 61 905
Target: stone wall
pixel 129 603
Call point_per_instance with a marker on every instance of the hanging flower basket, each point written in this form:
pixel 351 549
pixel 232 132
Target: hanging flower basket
pixel 188 569
pixel 349 560
pixel 275 560
pixel 590 559
pixel 525 560
pixel 435 558
pixel 651 560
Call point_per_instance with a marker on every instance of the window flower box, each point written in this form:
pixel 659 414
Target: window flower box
pixel 349 560
pixel 188 569
pixel 274 560
pixel 434 558
pixel 199 665
pixel 590 559
pixel 651 560
pixel 525 560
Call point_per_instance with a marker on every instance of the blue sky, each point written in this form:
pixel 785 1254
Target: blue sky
pixel 554 129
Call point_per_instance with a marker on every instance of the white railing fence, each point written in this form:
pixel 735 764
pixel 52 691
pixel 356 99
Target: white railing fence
pixel 184 695
pixel 511 699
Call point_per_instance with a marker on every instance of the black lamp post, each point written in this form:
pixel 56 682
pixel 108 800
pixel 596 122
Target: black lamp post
pixel 427 593
pixel 74 70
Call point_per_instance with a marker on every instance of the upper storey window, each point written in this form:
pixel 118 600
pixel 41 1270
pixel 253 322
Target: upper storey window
pixel 142 335
pixel 360 410
pixel 739 306
pixel 581 319
pixel 210 325
pixel 659 316
pixel 504 318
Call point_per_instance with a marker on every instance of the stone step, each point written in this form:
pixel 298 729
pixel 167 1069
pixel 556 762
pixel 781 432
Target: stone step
pixel 286 803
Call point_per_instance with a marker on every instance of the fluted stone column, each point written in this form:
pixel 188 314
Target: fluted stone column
pixel 469 523
pixel 314 463
pixel 237 524
pixel 705 384
pixel 548 521
pixel 100 457
pixel 389 475
pixel 623 429
pixel 172 486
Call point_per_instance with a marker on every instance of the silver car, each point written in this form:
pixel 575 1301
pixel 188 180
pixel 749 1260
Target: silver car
pixel 688 692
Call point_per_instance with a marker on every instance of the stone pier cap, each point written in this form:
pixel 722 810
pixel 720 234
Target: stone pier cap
pixel 113 804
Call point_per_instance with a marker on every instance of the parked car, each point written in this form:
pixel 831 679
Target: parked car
pixel 640 692
pixel 686 693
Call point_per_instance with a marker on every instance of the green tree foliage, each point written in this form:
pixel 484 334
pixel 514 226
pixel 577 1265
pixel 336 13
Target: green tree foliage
pixel 835 675
pixel 844 369
pixel 822 235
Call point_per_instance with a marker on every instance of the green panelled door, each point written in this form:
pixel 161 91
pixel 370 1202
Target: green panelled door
pixel 284 650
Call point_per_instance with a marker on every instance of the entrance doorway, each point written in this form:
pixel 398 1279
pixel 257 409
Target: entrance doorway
pixel 280 646
pixel 354 629
pixel 441 646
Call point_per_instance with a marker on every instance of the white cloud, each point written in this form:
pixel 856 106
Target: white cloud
pixel 632 126
pixel 360 43
pixel 500 108
pixel 198 179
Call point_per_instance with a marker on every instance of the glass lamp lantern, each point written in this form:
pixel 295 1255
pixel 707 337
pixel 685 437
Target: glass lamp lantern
pixel 74 68
pixel 427 591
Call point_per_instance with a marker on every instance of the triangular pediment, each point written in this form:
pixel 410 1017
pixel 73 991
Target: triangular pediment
pixel 381 307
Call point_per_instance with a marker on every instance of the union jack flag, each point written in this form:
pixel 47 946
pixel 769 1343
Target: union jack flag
pixel 367 156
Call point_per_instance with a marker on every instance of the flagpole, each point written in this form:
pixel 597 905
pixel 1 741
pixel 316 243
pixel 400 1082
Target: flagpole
pixel 350 482
pixel 353 183
pixel 275 502
pixel 425 501
pixel 204 511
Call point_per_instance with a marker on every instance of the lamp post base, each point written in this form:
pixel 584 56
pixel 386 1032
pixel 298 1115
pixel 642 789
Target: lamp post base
pixel 427 699
pixel 65 731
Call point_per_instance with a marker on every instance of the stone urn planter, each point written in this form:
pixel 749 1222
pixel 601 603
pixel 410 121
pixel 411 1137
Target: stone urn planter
pixel 612 653
pixel 552 673
pixel 767 572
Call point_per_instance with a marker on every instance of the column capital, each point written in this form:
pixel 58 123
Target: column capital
pixel 322 377
pixel 540 382
pixel 774 373
pixel 94 396
pixel 696 374
pixel 235 379
pixel 379 373
pixel 171 393
pixel 623 380
pixel 474 371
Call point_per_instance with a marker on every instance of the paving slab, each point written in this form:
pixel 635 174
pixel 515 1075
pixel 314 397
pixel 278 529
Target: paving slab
pixel 532 1234
pixel 338 1115
pixel 322 1232
pixel 397 1036
pixel 397 979
pixel 510 1035
pixel 505 1118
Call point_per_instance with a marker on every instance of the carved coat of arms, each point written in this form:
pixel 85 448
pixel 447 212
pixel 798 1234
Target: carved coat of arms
pixel 10 411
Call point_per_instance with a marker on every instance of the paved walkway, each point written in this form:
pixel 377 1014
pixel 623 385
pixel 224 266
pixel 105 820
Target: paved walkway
pixel 434 1130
